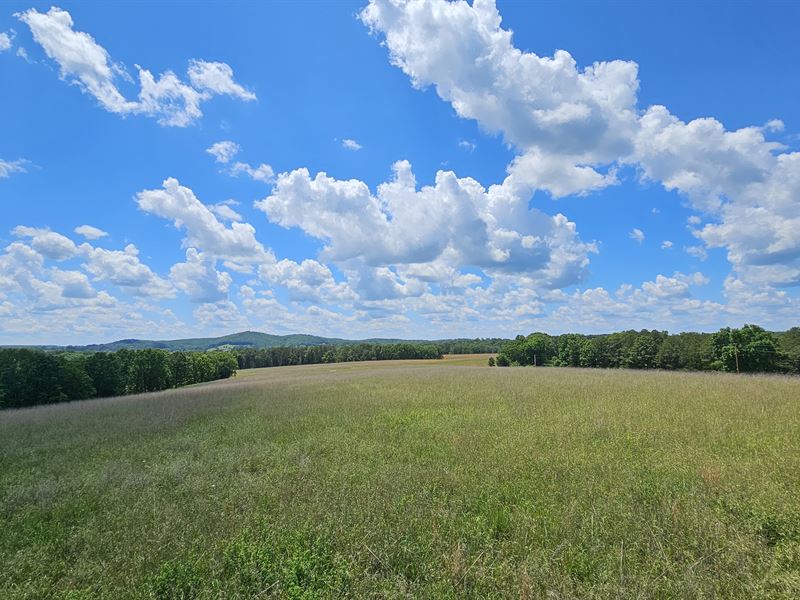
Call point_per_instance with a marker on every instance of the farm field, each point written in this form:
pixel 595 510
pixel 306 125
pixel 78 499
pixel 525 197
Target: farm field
pixel 409 479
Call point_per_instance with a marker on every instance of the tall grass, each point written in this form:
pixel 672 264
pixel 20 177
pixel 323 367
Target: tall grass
pixel 409 480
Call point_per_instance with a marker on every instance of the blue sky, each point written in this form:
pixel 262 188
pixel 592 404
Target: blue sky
pixel 607 166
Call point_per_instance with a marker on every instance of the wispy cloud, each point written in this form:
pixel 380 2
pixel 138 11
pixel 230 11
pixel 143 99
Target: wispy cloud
pixel 7 167
pixel 637 234
pixel 350 144
pixel 467 145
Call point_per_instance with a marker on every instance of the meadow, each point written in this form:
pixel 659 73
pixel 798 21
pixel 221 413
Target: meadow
pixel 409 479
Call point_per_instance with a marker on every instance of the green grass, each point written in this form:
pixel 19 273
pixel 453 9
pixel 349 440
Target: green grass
pixel 409 480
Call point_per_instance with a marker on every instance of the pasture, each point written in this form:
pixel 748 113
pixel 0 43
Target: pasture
pixel 412 479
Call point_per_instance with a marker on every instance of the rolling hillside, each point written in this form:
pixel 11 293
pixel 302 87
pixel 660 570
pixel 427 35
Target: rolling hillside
pixel 249 339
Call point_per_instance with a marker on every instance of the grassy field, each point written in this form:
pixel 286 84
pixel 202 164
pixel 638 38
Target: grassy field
pixel 409 480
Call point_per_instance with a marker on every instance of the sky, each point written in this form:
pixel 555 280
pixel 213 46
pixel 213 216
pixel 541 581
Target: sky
pixel 416 169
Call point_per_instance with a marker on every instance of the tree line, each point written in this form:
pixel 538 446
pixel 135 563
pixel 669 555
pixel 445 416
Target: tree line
pixel 470 346
pixel 32 377
pixel 749 349
pixel 249 358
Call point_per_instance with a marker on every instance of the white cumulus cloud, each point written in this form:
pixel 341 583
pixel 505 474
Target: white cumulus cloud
pixel 262 172
pixel 90 233
pixel 223 152
pixel 216 78
pixel 124 269
pixel 573 126
pixel 48 243
pixel 87 64
pixel 5 41
pixel 204 231
pixel 492 229
pixel 198 278
pixel 547 105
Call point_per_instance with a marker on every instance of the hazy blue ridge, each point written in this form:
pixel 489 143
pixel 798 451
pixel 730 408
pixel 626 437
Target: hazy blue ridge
pixel 243 339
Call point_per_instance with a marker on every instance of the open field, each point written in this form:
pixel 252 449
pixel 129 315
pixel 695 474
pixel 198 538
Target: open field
pixel 409 479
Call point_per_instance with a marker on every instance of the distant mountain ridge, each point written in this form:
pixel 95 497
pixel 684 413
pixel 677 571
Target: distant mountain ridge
pixel 243 339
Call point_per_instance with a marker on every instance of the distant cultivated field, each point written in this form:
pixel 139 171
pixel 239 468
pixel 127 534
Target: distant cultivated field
pixel 410 479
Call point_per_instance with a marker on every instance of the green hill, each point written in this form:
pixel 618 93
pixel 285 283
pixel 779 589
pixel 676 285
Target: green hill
pixel 250 339
pixel 256 339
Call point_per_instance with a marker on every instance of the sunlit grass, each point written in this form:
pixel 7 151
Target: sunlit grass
pixel 409 479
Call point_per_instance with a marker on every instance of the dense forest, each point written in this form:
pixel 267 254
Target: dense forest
pixel 32 377
pixel 249 358
pixel 750 349
pixel 467 346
